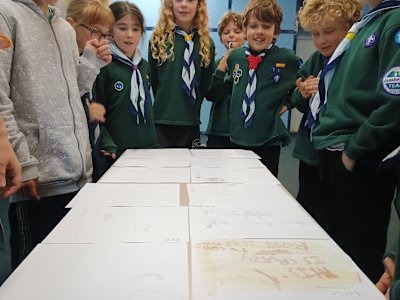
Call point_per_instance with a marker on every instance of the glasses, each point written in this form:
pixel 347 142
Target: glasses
pixel 98 35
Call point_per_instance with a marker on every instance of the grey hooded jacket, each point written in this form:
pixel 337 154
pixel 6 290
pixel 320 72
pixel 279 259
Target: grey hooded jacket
pixel 41 80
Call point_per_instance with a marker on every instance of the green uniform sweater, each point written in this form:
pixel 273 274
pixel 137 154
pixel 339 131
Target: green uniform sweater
pixel 172 106
pixel 121 131
pixel 267 128
pixel 220 94
pixel 363 106
pixel 304 149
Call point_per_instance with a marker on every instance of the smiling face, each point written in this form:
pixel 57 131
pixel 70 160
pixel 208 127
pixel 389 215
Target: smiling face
pixel 127 34
pixel 259 34
pixel 328 35
pixel 232 35
pixel 184 12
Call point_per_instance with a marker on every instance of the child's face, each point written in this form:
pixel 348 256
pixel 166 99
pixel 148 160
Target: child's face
pixel 232 36
pixel 328 35
pixel 184 12
pixel 127 33
pixel 259 34
pixel 86 32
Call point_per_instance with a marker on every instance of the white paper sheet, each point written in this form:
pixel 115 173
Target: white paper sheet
pixel 257 222
pixel 232 175
pixel 153 153
pixel 122 224
pixel 228 194
pixel 155 162
pixel 245 163
pixel 101 272
pixel 223 153
pixel 276 269
pixel 94 195
pixel 146 175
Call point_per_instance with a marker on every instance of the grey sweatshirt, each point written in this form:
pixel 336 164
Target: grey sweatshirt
pixel 41 80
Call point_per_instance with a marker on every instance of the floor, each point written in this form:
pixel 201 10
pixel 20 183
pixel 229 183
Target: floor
pixel 287 175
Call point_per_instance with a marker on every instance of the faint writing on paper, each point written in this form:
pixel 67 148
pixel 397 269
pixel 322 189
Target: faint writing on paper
pixel 271 265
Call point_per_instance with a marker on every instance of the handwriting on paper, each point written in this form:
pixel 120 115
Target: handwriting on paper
pixel 278 265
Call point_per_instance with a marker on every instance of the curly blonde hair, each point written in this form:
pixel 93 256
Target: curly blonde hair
pixel 228 17
pixel 313 12
pixel 264 10
pixel 164 33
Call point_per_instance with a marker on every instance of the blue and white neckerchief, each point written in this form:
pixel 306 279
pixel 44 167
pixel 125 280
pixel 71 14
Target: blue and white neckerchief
pixel 249 104
pixel 139 97
pixel 188 70
pixel 94 125
pixel 320 99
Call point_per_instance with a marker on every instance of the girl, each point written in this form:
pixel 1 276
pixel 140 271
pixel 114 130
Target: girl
pixel 123 88
pixel 181 58
pixel 93 21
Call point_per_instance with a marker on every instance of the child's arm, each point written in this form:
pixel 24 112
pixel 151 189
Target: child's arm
pixel 95 56
pixel 107 145
pixel 207 74
pixel 10 169
pixel 217 89
pixel 153 71
pixel 17 139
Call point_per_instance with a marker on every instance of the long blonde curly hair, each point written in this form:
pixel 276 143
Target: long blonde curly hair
pixel 313 12
pixel 164 33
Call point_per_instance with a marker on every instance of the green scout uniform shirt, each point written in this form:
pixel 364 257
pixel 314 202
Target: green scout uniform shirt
pixel 304 149
pixel 121 131
pixel 220 94
pixel 267 128
pixel 363 105
pixel 172 106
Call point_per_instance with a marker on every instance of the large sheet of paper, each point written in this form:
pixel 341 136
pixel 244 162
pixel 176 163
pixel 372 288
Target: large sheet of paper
pixel 155 162
pixel 276 269
pixel 245 163
pixel 223 153
pixel 257 222
pixel 228 194
pixel 232 175
pixel 146 175
pixel 122 225
pixel 101 272
pixel 155 153
pixel 94 195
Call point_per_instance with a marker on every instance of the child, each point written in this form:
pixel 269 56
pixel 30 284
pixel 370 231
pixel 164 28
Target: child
pixel 91 19
pixel 123 88
pixel 328 21
pixel 262 76
pixel 10 169
pixel 231 34
pixel 181 58
pixel 357 125
pixel 41 81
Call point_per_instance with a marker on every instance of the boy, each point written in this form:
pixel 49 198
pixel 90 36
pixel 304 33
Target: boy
pixel 328 21
pixel 357 126
pixel 40 86
pixel 231 34
pixel 262 76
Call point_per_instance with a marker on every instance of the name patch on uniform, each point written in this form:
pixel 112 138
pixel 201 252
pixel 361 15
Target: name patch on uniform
pixel 397 38
pixel 391 81
pixel 237 73
pixel 118 86
pixel 371 40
